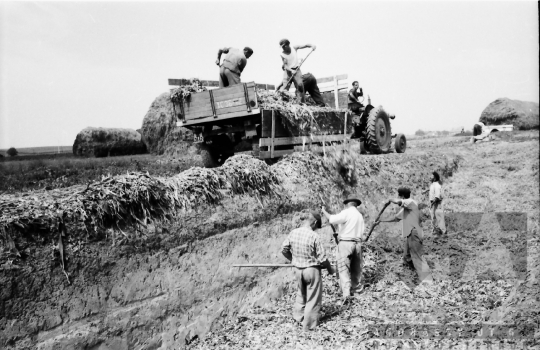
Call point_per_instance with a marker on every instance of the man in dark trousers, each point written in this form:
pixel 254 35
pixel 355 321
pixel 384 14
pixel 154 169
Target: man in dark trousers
pixel 310 86
pixel 233 65
pixel 304 248
pixel 413 248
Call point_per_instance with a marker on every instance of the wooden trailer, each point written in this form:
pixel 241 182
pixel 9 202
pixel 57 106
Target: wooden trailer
pixel 224 118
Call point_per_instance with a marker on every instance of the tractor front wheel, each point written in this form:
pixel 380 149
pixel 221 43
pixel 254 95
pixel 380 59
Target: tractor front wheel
pixel 400 143
pixel 378 131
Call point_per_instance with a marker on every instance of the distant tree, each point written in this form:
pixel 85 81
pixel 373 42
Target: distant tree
pixel 420 132
pixel 12 152
pixel 445 133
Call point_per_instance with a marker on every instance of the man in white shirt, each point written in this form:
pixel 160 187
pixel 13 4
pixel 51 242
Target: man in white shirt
pixel 349 252
pixel 290 59
pixel 436 208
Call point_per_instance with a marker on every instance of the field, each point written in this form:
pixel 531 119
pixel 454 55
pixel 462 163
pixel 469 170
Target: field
pixel 166 284
pixel 26 151
pixel 24 174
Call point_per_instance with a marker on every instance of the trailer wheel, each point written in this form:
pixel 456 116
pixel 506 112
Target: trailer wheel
pixel 222 148
pixel 400 143
pixel 207 158
pixel 378 131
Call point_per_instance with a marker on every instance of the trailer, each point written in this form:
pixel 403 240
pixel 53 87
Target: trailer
pixel 228 120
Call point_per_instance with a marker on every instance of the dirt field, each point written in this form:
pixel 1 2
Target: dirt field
pixel 172 285
pixel 484 273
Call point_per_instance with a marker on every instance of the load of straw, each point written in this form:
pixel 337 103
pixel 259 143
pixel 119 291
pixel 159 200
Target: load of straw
pixel 133 199
pixel 523 115
pixel 104 142
pixel 182 93
pixel 159 122
pixel 303 119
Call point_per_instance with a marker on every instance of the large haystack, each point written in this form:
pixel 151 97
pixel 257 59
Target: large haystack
pixel 104 142
pixel 523 115
pixel 159 130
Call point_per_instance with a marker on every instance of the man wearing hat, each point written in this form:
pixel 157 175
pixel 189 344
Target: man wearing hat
pixel 233 65
pixel 303 247
pixel 291 61
pixel 349 252
pixel 411 232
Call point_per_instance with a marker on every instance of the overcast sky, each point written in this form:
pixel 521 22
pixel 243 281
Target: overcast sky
pixel 435 65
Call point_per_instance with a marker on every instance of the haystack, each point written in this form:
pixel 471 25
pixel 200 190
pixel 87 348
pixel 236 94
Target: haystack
pixel 523 115
pixel 159 130
pixel 104 142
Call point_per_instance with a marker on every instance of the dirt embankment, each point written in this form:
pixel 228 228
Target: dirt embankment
pixel 106 142
pixel 164 287
pixel 522 114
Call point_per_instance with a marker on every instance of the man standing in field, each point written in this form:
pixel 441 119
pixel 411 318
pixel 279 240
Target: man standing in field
pixel 291 63
pixel 233 65
pixel 303 247
pixel 436 208
pixel 349 252
pixel 411 232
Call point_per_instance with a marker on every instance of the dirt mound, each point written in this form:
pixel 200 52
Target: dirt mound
pixel 105 142
pixel 159 130
pixel 523 115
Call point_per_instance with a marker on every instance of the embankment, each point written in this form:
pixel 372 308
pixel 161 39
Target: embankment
pixel 172 282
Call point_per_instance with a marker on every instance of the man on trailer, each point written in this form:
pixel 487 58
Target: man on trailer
pixel 233 65
pixel 291 63
pixel 310 86
pixel 303 246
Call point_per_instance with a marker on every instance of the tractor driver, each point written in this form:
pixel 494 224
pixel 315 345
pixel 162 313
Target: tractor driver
pixel 356 108
pixel 233 65
pixel 354 93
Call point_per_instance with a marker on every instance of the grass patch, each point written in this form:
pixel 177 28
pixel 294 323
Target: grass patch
pixel 43 173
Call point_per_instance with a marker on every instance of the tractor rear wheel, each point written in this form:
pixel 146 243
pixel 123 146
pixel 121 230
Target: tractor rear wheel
pixel 378 131
pixel 400 143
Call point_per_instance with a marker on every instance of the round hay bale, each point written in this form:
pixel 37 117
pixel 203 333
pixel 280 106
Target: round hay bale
pixel 523 115
pixel 104 142
pixel 159 130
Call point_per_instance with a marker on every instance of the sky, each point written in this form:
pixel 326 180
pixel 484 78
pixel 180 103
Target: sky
pixel 436 65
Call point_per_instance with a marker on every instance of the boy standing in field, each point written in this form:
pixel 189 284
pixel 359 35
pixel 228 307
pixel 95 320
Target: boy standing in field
pixel 436 208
